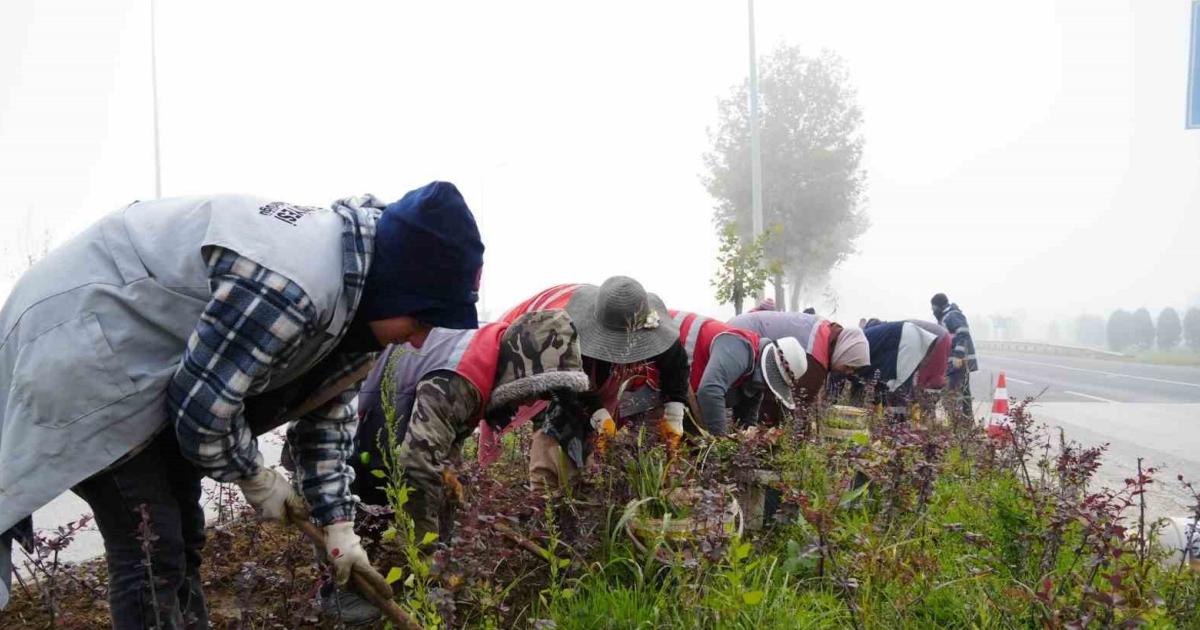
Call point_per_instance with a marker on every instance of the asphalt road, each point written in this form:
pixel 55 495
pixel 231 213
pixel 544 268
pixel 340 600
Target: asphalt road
pixel 1066 379
pixel 1138 410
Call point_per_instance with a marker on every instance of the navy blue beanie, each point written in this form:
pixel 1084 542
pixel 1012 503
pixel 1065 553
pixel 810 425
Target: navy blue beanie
pixel 427 262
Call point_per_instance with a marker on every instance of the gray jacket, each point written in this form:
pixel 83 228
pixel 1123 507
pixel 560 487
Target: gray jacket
pixel 93 333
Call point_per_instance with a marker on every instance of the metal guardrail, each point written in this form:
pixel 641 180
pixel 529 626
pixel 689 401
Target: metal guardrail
pixel 1038 347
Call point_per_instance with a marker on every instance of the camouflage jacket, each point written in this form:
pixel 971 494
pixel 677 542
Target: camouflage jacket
pixel 446 410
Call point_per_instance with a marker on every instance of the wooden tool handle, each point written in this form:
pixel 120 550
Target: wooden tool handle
pixel 390 609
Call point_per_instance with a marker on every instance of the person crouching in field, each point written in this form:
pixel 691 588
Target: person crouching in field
pixel 898 350
pixel 830 347
pixel 931 378
pixel 731 368
pixel 438 394
pixel 628 341
pixel 130 352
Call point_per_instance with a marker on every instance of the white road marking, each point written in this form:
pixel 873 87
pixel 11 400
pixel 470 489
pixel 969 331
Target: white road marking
pixel 1081 394
pixel 1109 374
pixel 1017 380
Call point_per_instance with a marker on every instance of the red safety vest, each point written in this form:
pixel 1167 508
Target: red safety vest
pixel 478 362
pixel 472 354
pixel 697 333
pixel 555 297
pixel 629 376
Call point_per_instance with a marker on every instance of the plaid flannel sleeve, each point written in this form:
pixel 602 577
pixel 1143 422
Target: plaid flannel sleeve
pixel 255 320
pixel 322 444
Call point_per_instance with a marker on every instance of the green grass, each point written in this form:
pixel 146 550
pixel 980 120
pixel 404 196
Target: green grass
pixel 1180 356
pixel 947 531
pixel 968 559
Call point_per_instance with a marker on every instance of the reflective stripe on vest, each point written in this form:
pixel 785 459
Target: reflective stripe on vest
pixel 556 297
pixel 689 329
pixel 472 354
pixel 697 333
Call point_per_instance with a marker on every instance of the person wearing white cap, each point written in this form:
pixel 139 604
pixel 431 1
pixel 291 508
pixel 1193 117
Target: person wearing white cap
pixel 831 348
pixel 732 368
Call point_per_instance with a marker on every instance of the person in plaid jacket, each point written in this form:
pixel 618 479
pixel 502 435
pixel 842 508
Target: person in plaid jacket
pixel 149 351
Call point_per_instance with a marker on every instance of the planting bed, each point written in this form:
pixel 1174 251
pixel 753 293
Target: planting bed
pixel 914 527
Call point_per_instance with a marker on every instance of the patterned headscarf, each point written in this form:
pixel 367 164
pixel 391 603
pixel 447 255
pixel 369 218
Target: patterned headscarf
pixel 851 349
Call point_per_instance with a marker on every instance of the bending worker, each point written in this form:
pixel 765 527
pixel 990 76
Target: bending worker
pixel 830 347
pixel 444 390
pixel 627 340
pixel 130 351
pixel 931 378
pixel 898 350
pixel 439 393
pixel 732 367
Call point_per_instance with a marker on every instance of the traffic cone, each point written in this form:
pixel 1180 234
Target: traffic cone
pixel 998 426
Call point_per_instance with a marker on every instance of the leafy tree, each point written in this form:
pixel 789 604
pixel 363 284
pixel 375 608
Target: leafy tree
pixel 1191 328
pixel 1089 331
pixel 1170 328
pixel 1143 329
pixel 741 271
pixel 1120 330
pixel 813 182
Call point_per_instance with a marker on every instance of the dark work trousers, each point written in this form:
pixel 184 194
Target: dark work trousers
pixel 169 486
pixel 958 395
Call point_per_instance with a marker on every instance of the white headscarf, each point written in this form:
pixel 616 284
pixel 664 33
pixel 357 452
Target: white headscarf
pixel 851 349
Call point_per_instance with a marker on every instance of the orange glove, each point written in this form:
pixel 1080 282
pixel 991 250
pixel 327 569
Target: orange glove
pixel 605 428
pixel 671 427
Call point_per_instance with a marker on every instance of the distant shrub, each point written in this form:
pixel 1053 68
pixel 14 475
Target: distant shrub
pixel 1170 328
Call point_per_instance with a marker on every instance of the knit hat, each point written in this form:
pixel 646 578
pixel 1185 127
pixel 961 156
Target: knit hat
pixel 620 323
pixel 939 302
pixel 539 353
pixel 427 261
pixel 766 304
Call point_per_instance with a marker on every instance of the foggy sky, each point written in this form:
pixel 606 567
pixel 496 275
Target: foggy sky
pixel 1024 157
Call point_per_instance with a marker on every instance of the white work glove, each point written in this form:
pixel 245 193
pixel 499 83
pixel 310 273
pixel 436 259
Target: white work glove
pixel 347 554
pixel 273 496
pixel 603 423
pixel 673 417
pixel 957 363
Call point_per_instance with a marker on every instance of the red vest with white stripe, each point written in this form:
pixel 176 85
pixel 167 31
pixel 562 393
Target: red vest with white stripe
pixel 472 354
pixel 697 333
pixel 556 297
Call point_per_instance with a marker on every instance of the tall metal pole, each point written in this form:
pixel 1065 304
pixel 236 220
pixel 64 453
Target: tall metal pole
pixel 755 148
pixel 154 101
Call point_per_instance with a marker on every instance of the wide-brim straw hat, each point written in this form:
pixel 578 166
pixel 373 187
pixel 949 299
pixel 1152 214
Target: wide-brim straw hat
pixel 620 322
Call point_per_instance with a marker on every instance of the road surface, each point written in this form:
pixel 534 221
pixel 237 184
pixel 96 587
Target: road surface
pixel 1139 410
pixel 1067 379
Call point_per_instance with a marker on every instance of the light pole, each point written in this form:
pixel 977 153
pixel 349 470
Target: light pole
pixel 154 104
pixel 755 148
pixel 756 212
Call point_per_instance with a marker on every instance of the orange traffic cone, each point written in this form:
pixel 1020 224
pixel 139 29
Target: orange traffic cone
pixel 998 426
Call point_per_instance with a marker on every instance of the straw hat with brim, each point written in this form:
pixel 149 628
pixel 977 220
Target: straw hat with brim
pixel 783 363
pixel 619 322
